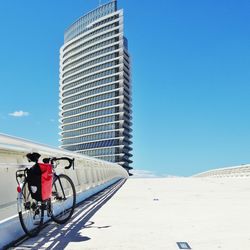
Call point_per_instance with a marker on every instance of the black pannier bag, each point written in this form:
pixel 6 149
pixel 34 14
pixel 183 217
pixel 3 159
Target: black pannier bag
pixel 40 179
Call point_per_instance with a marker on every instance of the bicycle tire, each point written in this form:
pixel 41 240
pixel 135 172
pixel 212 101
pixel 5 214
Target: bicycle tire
pixel 29 210
pixel 63 199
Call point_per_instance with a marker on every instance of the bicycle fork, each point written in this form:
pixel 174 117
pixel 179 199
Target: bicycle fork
pixel 62 190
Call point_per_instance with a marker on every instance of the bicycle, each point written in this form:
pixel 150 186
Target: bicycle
pixel 59 205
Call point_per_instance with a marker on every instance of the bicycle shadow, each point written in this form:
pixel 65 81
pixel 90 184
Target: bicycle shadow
pixel 55 236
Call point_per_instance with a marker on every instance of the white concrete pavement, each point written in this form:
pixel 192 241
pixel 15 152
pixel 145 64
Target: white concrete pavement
pixel 209 214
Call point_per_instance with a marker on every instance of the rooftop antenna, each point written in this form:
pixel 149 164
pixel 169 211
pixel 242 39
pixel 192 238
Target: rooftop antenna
pixel 100 2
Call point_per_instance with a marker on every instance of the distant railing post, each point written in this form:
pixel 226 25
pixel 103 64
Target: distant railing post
pixel 238 171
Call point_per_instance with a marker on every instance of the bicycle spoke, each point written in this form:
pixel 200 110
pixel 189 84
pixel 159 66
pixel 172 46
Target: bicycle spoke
pixel 31 214
pixel 63 199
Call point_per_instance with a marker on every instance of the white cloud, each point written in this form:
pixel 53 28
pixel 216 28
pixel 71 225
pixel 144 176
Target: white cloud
pixel 140 173
pixel 19 113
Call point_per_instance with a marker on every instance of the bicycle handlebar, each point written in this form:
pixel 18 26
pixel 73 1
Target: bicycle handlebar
pixel 71 161
pixel 35 156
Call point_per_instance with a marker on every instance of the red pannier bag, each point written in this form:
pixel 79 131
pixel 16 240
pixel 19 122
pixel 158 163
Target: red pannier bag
pixel 40 179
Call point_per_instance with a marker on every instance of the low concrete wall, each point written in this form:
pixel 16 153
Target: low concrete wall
pixel 237 171
pixel 90 176
pixel 11 230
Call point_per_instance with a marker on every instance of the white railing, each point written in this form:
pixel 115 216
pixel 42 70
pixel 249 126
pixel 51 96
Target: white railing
pixel 237 171
pixel 89 176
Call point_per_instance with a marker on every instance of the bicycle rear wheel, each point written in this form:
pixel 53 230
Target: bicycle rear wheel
pixel 63 199
pixel 30 212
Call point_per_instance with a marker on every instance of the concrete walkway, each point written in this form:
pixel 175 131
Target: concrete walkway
pixel 154 214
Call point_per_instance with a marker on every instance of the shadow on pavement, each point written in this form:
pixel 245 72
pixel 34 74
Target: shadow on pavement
pixel 55 236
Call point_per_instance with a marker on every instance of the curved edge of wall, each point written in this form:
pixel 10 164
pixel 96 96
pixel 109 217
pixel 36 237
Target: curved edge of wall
pixel 11 230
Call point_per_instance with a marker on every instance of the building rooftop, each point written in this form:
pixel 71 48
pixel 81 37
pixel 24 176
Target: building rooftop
pixel 82 24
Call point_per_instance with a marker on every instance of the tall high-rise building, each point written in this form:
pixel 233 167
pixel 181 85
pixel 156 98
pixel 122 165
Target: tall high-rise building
pixel 95 87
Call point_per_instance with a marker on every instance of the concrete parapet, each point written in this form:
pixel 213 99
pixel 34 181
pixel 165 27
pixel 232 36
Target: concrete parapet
pixel 89 176
pixel 236 171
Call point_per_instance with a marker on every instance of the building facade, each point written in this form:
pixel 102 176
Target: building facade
pixel 95 87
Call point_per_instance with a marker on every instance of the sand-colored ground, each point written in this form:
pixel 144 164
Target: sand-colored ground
pixel 154 214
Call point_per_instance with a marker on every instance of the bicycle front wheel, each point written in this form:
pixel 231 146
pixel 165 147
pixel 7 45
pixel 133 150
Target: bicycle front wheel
pixel 63 199
pixel 30 212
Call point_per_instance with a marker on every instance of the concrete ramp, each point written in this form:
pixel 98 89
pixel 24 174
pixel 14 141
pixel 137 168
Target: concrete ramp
pixel 156 214
pixel 55 236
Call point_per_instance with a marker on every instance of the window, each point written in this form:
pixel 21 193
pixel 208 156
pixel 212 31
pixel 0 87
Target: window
pixel 90 92
pixel 93 137
pixel 92 122
pixel 90 85
pixel 94 40
pixel 89 56
pixel 94 47
pixel 91 77
pixel 91 99
pixel 91 70
pixel 90 130
pixel 98 144
pixel 91 115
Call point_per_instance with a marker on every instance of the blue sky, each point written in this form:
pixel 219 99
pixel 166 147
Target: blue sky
pixel 191 78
